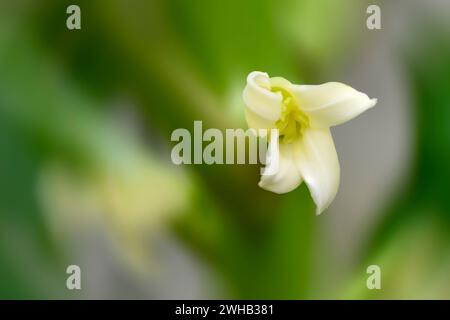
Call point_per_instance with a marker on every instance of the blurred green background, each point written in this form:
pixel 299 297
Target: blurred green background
pixel 86 176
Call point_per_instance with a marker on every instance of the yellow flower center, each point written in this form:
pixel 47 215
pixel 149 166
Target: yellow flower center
pixel 292 120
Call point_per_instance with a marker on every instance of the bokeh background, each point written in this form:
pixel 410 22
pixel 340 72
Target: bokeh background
pixel 86 175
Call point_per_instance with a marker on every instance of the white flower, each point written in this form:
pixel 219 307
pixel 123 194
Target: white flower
pixel 303 115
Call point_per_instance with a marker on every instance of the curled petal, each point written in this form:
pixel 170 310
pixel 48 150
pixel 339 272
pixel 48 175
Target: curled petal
pixel 286 177
pixel 259 124
pixel 331 103
pixel 259 99
pixel 317 161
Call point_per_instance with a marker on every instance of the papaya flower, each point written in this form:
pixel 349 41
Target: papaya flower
pixel 303 115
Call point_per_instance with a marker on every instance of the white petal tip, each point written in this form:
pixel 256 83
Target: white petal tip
pixel 255 74
pixel 319 211
pixel 274 188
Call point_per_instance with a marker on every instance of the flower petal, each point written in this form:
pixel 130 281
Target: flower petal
pixel 258 123
pixel 331 103
pixel 318 164
pixel 259 99
pixel 287 177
